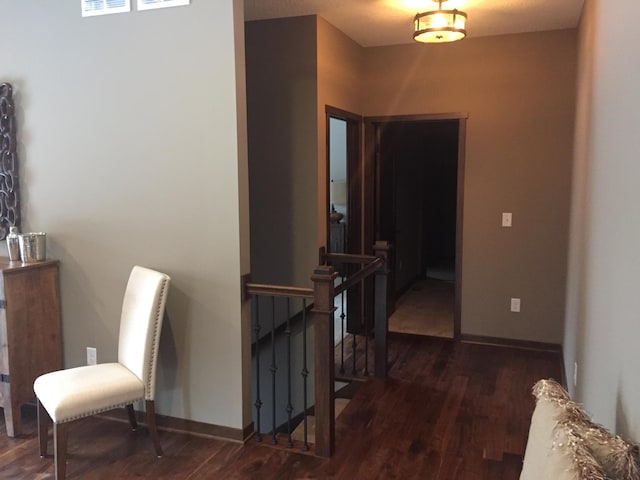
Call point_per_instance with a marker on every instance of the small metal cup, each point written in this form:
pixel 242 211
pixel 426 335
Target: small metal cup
pixel 33 247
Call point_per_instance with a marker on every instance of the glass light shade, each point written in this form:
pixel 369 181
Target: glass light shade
pixel 440 26
pixel 338 192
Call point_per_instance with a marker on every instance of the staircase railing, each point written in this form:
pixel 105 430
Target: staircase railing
pixel 377 264
pixel 282 320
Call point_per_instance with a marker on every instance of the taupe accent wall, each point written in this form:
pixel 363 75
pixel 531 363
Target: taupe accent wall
pixel 295 66
pixel 519 94
pixel 130 143
pixel 603 307
pixel 283 154
pixel 340 63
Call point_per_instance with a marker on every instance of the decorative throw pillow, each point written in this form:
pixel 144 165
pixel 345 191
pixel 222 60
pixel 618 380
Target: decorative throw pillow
pixel 618 459
pixel 555 450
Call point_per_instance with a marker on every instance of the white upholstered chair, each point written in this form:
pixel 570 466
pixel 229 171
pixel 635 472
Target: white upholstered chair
pixel 71 394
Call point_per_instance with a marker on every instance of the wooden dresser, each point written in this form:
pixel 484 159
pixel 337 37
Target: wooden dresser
pixel 30 342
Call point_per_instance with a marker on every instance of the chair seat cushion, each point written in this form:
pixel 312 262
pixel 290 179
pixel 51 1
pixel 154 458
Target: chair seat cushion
pixel 83 391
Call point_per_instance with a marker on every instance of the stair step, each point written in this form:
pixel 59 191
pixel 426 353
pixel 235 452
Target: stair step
pixel 298 433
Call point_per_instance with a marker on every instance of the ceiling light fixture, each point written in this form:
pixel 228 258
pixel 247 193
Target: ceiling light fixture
pixel 439 26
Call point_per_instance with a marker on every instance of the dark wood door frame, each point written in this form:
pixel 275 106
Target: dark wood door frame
pixel 354 121
pixel 354 174
pixel 372 126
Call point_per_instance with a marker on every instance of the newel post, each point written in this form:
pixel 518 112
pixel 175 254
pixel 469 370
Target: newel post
pixel 323 279
pixel 381 249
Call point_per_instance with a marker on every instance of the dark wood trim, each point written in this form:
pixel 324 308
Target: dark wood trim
pixel 354 177
pixel 278 290
pixel 511 343
pixel 327 175
pixel 417 118
pixel 369 173
pixel 244 280
pixel 457 312
pixel 381 310
pixel 342 114
pixel 323 278
pixel 181 425
pixel 360 275
pixel 563 372
pixel 346 258
pixel 369 214
pixel 354 174
pixel 356 220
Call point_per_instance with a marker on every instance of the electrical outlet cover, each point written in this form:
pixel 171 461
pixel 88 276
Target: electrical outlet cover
pixel 92 356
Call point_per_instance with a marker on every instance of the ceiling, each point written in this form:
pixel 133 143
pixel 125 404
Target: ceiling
pixel 390 22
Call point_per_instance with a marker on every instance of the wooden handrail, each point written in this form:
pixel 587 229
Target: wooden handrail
pixel 360 275
pixel 371 263
pixel 278 290
pixel 347 258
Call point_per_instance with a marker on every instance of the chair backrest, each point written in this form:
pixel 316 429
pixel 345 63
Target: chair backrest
pixel 141 324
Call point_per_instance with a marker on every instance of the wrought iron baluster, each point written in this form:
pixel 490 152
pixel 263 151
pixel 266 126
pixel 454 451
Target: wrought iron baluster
pixel 342 317
pixel 289 405
pixel 305 374
pixel 258 404
pixel 274 369
pixel 365 371
pixel 354 344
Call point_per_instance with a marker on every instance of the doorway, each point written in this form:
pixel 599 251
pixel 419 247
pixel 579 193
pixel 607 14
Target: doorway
pixel 344 209
pixel 418 191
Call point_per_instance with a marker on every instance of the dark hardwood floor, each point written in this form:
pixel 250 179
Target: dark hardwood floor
pixel 447 411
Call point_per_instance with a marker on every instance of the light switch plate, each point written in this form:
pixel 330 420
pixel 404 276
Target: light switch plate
pixel 515 305
pixel 507 219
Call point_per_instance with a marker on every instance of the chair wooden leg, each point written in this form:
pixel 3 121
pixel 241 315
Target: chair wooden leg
pixel 43 429
pixel 151 423
pixel 132 417
pixel 60 433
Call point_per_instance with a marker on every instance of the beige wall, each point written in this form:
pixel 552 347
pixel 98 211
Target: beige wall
pixel 131 153
pixel 518 91
pixel 283 154
pixel 340 62
pixel 580 194
pixel 603 319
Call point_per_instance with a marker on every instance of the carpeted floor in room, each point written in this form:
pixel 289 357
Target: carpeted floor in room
pixel 425 309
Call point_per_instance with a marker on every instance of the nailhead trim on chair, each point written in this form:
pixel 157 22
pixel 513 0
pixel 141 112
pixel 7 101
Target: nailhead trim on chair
pixel 100 410
pixel 154 350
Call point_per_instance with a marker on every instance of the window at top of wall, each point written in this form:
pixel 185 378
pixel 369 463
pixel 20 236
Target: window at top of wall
pixel 91 8
pixel 150 4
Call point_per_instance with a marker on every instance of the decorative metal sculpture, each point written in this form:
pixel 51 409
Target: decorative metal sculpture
pixel 9 198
